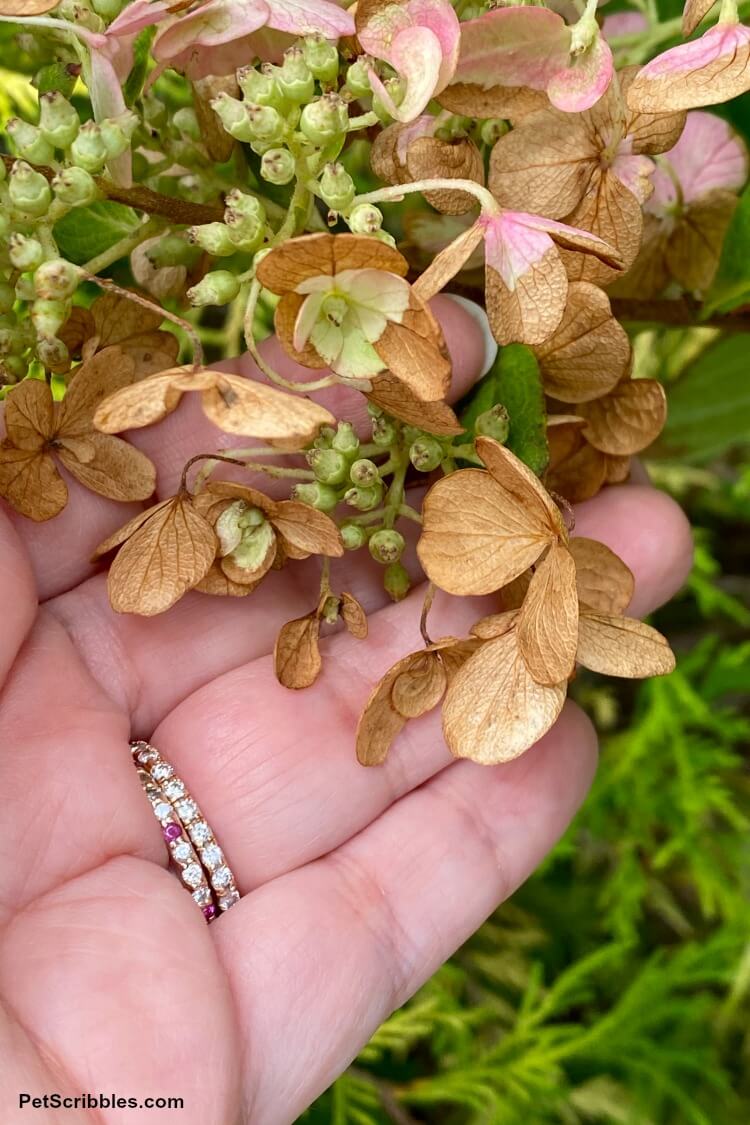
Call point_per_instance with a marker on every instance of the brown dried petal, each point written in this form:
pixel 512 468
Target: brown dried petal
pixel 168 554
pixel 416 359
pixel 26 7
pixel 30 482
pixel 694 247
pixel 140 404
pixel 521 485
pixel 447 263
pixel 307 529
pixel 604 583
pixel 531 311
pixel 296 654
pixel 564 437
pixel 621 646
pixel 580 476
pixel 78 328
pixel 353 616
pixel 218 490
pixel 692 14
pixel 617 469
pixel 104 374
pixel 545 166
pixel 476 536
pixel 548 619
pixel 510 103
pixel 396 399
pixel 116 319
pixel 384 159
pixel 245 406
pixel 218 142
pixel 649 133
pixel 627 419
pixel 420 687
pixel 380 721
pixel 217 583
pixel 455 654
pixel 590 351
pixel 316 255
pixel 496 625
pixel 610 211
pixel 111 467
pixel 30 415
pixel 494 710
pixel 250 575
pixel 284 320
pixel 429 157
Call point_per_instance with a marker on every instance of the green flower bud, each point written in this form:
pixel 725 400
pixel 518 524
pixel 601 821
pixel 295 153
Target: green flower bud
pixel 426 454
pixel 353 536
pixel 277 166
pixel 25 287
pixel 365 218
pixel 396 88
pixel 48 316
pixel 384 236
pixel 317 495
pixel 345 439
pixel 329 466
pixel 396 581
pixel 330 610
pixel 492 130
pixel 260 87
pixel 239 522
pixel 247 206
pixel 57 78
pixel 383 431
pixel 245 216
pixel 29 141
pixel 323 440
pixel 453 127
pixel 25 253
pixel 364 498
pixel 58 119
pixel 28 190
pixel 171 250
pixel 186 121
pixel 88 150
pixel 233 115
pixel 386 545
pixel 214 238
pixel 117 132
pixel 12 368
pixel 294 77
pixel 217 288
pixel 358 77
pixel 107 9
pixel 7 297
pixel 337 188
pixel 56 279
pixel 264 124
pixel 322 57
pixel 75 187
pixel 364 472
pixel 52 352
pixel 494 423
pixel 374 410
pixel 324 119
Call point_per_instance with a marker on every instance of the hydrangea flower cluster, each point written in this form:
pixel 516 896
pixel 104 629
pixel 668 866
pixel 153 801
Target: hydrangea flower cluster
pixel 221 168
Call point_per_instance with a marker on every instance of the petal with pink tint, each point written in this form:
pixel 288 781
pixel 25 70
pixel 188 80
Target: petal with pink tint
pixel 219 21
pixel 415 55
pixel 134 17
pixel 525 280
pixel 310 17
pixel 708 70
pixel 107 100
pixel 635 173
pixel 571 238
pixel 581 83
pixel 513 47
pixel 441 19
pixel 623 23
pixel 708 155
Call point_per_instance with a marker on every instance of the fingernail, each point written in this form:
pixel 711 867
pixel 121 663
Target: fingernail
pixel 479 316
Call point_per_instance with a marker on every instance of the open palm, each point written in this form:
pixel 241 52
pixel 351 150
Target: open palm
pixel 357 883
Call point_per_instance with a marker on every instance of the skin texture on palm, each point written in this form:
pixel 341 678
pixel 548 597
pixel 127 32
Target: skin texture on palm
pixel 357 883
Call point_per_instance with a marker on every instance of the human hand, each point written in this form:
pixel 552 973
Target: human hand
pixel 357 883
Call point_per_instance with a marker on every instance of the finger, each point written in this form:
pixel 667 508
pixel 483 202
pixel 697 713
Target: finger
pixel 203 637
pixel 406 893
pixel 60 549
pixel 17 596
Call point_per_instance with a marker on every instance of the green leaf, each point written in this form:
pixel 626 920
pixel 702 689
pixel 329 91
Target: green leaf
pixel 86 232
pixel 709 405
pixel 731 286
pixel 514 381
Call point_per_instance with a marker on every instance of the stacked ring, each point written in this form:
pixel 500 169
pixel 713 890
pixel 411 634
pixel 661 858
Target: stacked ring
pixel 191 843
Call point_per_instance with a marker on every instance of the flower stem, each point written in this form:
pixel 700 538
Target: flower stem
pixel 124 247
pixel 394 194
pixel 268 371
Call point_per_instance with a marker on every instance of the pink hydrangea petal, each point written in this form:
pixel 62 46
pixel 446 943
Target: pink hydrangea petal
pixel 512 247
pixel 584 80
pixel 441 19
pixel 513 47
pixel 710 69
pixel 635 173
pixel 310 17
pixel 623 23
pixel 219 21
pixel 570 237
pixel 134 17
pixel 105 92
pixel 708 155
pixel 415 55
